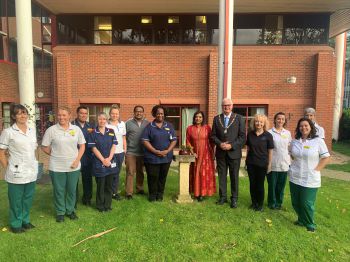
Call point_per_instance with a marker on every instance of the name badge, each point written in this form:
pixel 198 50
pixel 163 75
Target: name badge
pixel 307 147
pixel 113 165
pixel 284 136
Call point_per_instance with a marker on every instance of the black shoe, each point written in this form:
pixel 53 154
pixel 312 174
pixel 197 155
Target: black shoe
pixel 17 230
pixel 259 209
pixel 141 192
pixel 221 201
pixel 100 210
pixel 28 226
pixel 200 199
pixel 233 204
pixel 159 199
pixel 311 230
pixel 86 202
pixel 107 209
pixel 128 197
pixel 151 199
pixel 73 216
pixel 116 197
pixel 297 223
pixel 60 218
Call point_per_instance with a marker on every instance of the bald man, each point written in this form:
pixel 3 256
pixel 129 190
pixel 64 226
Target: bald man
pixel 228 134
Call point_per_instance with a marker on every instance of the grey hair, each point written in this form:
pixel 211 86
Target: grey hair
pixel 102 114
pixel 309 110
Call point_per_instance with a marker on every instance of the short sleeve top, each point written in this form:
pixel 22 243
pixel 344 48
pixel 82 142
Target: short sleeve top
pixel 258 148
pixel 160 139
pixel 22 165
pixel 120 132
pixel 64 146
pixel 280 156
pixel 306 156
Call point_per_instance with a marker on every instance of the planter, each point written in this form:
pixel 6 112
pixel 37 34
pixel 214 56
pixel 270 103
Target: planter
pixel 184 152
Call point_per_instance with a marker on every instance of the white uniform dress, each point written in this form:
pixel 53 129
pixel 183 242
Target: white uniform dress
pixel 22 165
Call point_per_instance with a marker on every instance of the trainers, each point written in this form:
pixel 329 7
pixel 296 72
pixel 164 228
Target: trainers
pixel 311 230
pixel 73 216
pixel 60 218
pixel 141 192
pixel 28 226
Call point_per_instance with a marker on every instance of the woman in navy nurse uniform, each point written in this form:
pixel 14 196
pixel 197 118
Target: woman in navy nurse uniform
pixel 102 142
pixel 158 139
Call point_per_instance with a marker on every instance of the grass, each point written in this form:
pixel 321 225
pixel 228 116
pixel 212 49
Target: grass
pixel 189 232
pixel 342 147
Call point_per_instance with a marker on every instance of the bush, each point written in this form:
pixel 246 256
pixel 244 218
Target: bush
pixel 344 126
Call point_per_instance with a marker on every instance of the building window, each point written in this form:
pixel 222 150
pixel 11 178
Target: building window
pixel 44 118
pixel 95 109
pixel 102 30
pixel 6 116
pixel 180 117
pixel 248 112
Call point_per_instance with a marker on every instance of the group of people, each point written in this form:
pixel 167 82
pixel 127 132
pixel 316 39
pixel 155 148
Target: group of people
pixel 99 151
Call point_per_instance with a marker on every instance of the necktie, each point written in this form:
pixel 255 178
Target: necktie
pixel 226 121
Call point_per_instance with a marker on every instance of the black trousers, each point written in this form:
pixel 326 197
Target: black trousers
pixel 231 165
pixel 156 178
pixel 104 192
pixel 86 176
pixel 257 179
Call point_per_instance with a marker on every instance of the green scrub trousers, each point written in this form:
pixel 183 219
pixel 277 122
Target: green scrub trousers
pixel 303 201
pixel 276 184
pixel 64 191
pixel 20 201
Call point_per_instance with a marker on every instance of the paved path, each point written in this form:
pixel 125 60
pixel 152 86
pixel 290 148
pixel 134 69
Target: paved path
pixel 336 174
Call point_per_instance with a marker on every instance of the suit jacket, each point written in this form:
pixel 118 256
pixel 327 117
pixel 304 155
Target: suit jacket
pixel 235 135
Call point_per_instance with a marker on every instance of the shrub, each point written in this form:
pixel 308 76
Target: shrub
pixel 344 125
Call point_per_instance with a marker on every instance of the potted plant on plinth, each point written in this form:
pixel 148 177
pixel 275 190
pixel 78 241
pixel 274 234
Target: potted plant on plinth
pixel 185 150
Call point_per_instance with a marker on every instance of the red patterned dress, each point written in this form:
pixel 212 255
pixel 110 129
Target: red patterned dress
pixel 202 172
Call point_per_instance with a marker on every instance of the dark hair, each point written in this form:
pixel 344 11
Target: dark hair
pixel 15 109
pixel 194 117
pixel 280 114
pixel 139 106
pixel 312 132
pixel 155 108
pixel 82 107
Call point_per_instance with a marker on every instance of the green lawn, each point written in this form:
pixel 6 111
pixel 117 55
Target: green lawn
pixel 191 232
pixel 342 147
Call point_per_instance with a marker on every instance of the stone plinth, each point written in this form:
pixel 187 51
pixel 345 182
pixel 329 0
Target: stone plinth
pixel 184 171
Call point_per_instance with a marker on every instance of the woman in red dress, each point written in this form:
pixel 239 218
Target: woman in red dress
pixel 202 172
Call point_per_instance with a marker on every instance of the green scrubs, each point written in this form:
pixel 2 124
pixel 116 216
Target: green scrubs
pixel 20 201
pixel 276 184
pixel 303 201
pixel 64 191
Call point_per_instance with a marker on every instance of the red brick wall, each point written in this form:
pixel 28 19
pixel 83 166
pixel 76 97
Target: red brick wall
pixel 149 75
pixel 8 85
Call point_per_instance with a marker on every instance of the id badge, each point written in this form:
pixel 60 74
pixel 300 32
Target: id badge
pixel 113 165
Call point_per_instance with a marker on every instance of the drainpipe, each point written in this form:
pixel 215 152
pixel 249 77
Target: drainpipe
pixel 340 50
pixel 225 50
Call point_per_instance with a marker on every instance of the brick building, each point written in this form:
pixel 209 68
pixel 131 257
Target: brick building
pixel 99 54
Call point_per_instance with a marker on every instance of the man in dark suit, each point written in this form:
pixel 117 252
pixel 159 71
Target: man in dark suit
pixel 228 134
